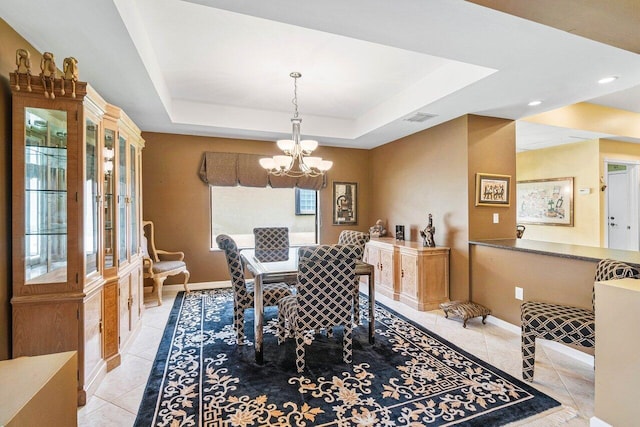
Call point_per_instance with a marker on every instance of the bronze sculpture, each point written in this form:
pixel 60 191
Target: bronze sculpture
pixel 427 234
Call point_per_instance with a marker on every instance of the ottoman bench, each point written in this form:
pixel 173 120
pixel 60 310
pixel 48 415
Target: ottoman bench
pixel 467 310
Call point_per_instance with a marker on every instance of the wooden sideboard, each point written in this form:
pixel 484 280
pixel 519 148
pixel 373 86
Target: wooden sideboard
pixel 409 272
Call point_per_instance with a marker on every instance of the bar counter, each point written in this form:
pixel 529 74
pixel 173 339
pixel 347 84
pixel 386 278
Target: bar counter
pixel 562 250
pixel 551 272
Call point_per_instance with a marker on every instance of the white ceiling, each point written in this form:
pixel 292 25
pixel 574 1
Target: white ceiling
pixel 221 68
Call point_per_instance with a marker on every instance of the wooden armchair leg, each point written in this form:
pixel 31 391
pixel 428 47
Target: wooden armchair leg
pixel 186 280
pixel 158 285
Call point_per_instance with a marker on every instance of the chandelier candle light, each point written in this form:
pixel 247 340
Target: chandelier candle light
pixel 296 161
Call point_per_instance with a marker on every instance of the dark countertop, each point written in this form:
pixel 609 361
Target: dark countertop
pixel 563 250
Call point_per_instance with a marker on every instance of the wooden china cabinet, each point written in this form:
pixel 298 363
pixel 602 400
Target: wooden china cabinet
pixel 74 255
pixel 123 226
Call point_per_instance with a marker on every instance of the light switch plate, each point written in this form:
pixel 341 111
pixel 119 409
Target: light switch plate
pixel 496 218
pixel 519 293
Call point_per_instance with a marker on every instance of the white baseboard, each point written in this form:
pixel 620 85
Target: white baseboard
pixel 571 352
pixel 556 346
pixel 597 422
pixel 504 325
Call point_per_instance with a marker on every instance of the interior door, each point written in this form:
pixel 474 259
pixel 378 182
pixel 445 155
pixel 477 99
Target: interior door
pixel 619 211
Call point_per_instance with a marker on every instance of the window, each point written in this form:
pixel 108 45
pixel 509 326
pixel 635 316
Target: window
pixel 305 202
pixel 236 211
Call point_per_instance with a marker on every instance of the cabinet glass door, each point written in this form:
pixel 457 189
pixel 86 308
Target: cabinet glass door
pixel 91 202
pixel 133 205
pixel 46 254
pixel 122 199
pixel 109 200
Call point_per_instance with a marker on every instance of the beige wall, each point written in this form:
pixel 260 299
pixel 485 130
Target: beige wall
pixel 177 201
pixel 433 171
pixel 580 161
pixel 427 173
pixel 492 148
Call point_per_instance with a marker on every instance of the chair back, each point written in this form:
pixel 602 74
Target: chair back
pixel 148 241
pixel 234 262
pixel 353 237
pixel 326 284
pixel 271 243
pixel 609 269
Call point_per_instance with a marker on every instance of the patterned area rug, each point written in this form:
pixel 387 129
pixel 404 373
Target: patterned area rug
pixel 409 377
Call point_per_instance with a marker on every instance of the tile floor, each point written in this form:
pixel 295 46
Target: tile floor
pixel 571 382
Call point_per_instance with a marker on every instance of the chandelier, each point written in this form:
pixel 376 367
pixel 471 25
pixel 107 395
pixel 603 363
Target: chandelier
pixel 297 160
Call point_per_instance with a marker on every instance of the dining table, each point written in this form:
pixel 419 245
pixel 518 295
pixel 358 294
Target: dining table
pixel 286 270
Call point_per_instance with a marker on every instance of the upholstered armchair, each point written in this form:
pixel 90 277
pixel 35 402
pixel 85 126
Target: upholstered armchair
pixel 324 299
pixel 561 323
pixel 243 292
pixel 359 239
pixel 271 243
pixel 159 264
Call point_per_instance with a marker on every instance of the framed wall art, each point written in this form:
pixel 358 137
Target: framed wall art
pixel 545 201
pixel 345 203
pixel 492 190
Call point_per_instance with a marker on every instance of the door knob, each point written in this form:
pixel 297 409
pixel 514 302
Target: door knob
pixel 611 217
pixel 612 224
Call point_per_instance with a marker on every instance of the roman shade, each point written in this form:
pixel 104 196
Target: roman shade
pixel 232 169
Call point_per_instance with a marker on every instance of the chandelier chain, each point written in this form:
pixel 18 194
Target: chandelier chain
pixel 295 96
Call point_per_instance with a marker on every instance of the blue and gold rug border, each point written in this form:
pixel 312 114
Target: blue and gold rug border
pixel 538 401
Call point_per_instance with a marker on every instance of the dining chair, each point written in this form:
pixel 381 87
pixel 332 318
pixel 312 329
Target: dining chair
pixel 562 323
pixel 243 292
pixel 360 239
pixel 271 243
pixel 324 299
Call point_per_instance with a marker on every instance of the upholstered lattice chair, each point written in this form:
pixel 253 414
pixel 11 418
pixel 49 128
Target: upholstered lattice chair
pixel 243 291
pixel 561 323
pixel 326 278
pixel 272 243
pixel 159 264
pixel 360 239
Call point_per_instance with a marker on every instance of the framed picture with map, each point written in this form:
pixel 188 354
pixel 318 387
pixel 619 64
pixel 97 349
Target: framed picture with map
pixel 545 201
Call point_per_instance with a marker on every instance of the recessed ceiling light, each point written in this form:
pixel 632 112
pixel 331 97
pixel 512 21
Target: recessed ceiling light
pixel 534 103
pixel 606 80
